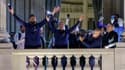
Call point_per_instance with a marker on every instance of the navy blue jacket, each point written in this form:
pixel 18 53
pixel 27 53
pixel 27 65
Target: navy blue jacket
pixel 110 38
pixel 32 37
pixel 61 36
pixel 93 42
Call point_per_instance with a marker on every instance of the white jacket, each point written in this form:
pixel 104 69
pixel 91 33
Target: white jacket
pixel 20 42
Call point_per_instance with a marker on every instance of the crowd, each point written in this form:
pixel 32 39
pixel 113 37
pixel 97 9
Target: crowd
pixel 30 34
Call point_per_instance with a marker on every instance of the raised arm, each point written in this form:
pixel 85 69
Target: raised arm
pixel 15 16
pixel 55 10
pixel 67 22
pixel 40 24
pixel 76 24
pixel 50 18
pixel 51 24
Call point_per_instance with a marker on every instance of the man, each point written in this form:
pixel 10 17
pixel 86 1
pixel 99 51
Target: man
pixel 61 34
pixel 73 36
pixel 32 39
pixel 110 38
pixel 20 38
pixel 93 41
pixel 118 24
pixel 73 40
pixel 43 41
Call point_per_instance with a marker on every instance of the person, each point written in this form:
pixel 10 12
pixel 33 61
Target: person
pixel 118 24
pixel 73 36
pixel 61 34
pixel 12 35
pixel 110 37
pixel 43 41
pixel 20 38
pixel 51 42
pixel 100 22
pixel 92 41
pixel 73 40
pixel 32 37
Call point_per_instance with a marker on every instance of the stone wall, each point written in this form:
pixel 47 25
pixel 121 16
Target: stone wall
pixel 112 59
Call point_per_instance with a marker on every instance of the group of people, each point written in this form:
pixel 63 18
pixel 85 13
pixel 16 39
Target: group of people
pixel 64 36
pixel 32 39
pixel 105 35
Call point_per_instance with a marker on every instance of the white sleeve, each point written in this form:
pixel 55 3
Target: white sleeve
pixel 77 29
pixel 67 21
pixel 120 22
pixel 49 13
pixel 110 45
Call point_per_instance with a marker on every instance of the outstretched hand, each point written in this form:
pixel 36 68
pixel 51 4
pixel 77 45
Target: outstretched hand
pixel 81 38
pixel 81 18
pixel 10 9
pixel 47 18
pixel 56 10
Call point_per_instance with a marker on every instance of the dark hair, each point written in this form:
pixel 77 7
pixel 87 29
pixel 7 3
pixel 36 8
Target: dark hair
pixel 110 24
pixel 116 15
pixel 32 15
pixel 21 26
pixel 97 29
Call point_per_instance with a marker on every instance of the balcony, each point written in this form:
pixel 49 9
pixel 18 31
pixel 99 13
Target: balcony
pixel 112 59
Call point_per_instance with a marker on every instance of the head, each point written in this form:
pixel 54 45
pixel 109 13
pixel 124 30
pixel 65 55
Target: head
pixel 22 28
pixel 32 19
pixel 61 25
pixel 109 27
pixel 103 29
pixel 116 16
pixel 96 33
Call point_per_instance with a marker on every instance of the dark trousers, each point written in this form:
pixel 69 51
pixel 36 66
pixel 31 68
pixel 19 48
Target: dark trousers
pixel 14 45
pixel 32 47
